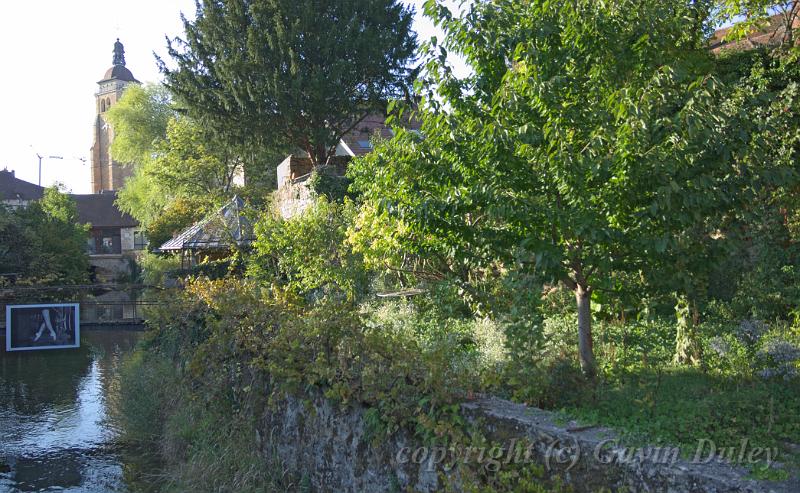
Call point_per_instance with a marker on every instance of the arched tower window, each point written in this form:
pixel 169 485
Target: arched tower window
pixel 102 106
pixel 108 103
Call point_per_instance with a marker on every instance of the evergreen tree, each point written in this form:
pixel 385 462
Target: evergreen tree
pixel 291 72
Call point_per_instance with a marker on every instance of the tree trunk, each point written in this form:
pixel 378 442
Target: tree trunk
pixel 687 349
pixel 585 345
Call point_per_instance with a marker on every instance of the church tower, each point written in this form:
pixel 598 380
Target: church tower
pixel 108 174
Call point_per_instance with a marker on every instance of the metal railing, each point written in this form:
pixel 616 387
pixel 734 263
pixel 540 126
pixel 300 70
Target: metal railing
pixel 100 304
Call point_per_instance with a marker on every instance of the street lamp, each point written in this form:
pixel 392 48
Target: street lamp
pixel 40 164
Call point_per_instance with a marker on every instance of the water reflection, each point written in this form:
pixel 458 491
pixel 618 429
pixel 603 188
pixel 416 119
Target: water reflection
pixel 55 434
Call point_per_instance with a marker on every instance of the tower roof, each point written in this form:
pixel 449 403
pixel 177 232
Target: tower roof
pixel 121 73
pixel 118 70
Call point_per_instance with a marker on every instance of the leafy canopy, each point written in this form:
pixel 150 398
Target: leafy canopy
pixel 583 136
pixel 43 243
pixel 180 169
pixel 309 251
pixel 139 120
pixel 588 134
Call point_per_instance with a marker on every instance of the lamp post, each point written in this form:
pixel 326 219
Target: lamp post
pixel 40 164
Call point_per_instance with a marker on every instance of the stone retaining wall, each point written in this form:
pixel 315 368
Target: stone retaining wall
pixel 335 450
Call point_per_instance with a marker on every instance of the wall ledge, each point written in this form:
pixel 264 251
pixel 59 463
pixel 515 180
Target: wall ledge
pixel 331 445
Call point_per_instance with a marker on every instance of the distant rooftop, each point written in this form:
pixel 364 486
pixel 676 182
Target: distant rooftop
pixel 100 211
pixel 12 188
pixel 359 139
pixel 97 209
pixel 771 34
pixel 118 72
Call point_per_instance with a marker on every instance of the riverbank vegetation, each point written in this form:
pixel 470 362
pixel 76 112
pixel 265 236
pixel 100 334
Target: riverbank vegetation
pixel 601 219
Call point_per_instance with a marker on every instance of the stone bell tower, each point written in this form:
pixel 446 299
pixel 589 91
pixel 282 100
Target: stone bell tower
pixel 108 174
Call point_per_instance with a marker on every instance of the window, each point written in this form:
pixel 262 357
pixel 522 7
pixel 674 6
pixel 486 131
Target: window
pixel 365 144
pixel 139 240
pixel 106 242
pixel 107 245
pixel 102 106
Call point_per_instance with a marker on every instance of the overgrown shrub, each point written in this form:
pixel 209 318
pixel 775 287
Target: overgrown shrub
pixel 232 336
pixel 156 268
pixel 309 253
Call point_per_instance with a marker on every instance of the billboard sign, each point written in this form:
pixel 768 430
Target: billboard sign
pixel 51 326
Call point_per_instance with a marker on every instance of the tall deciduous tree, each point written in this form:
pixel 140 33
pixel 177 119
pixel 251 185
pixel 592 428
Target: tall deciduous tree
pixel 175 158
pixel 139 120
pixel 184 163
pixel 291 72
pixel 587 137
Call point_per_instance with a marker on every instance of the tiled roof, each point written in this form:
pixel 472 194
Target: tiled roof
pixel 214 231
pixel 12 188
pixel 97 209
pixel 100 211
pixel 771 34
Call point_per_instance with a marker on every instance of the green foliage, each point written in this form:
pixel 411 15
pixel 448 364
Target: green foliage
pixel 586 139
pixel 517 479
pixel 593 149
pixel 156 269
pixel 212 269
pixel 744 387
pixel 310 251
pixel 232 337
pixel 178 162
pixel 188 161
pixel 681 406
pixel 139 119
pixel 43 243
pixel 178 215
pixel 204 447
pixel 334 188
pixel 15 240
pixel 183 164
pixel 767 473
pixel 752 16
pixel 142 197
pixel 150 385
pixel 291 73
pixel 758 277
pixel 649 400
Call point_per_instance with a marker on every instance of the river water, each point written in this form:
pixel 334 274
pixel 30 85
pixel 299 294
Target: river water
pixel 57 429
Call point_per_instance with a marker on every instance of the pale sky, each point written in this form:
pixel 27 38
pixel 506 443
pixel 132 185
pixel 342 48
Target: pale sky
pixel 54 52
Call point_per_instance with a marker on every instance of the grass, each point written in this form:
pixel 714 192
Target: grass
pixel 178 442
pixel 679 406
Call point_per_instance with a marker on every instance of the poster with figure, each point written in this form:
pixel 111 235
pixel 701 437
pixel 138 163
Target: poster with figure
pixel 52 326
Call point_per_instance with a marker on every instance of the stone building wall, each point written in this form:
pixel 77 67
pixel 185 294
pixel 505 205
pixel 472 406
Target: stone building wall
pixel 293 197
